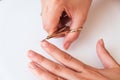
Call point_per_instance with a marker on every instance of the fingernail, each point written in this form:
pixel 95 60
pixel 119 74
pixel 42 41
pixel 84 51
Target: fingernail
pixel 66 46
pixel 101 42
pixel 32 66
pixel 31 53
pixel 46 46
pixel 44 43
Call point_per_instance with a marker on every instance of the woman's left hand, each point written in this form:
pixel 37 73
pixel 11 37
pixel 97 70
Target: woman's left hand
pixel 71 68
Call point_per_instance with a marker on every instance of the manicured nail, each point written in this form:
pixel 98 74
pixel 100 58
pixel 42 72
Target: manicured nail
pixel 32 66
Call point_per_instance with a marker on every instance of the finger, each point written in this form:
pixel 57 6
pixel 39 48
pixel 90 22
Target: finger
pixel 77 23
pixel 69 39
pixel 51 66
pixel 63 57
pixel 51 15
pixel 42 74
pixel 105 56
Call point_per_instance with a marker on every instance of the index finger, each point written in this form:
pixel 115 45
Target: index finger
pixel 51 14
pixel 63 57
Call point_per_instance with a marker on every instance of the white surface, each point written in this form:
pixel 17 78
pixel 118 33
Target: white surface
pixel 21 30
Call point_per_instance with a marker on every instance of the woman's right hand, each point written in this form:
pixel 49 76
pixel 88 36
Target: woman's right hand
pixel 76 10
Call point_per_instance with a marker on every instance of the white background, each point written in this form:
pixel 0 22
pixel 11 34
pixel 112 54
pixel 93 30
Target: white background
pixel 21 30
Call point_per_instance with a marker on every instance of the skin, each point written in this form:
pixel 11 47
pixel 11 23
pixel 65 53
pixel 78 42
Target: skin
pixel 76 10
pixel 69 68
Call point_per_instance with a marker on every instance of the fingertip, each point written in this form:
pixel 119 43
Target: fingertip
pixel 67 45
pixel 32 65
pixel 100 43
pixel 50 28
pixel 29 64
pixel 69 39
pixel 100 46
pixel 30 53
pixel 44 43
pixel 48 47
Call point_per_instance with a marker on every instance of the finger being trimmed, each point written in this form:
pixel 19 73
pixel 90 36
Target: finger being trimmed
pixel 62 57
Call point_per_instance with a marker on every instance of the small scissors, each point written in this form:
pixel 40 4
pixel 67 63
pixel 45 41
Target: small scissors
pixel 62 31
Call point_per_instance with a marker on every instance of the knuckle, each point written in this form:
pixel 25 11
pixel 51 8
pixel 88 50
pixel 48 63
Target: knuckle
pixel 52 49
pixel 58 68
pixel 58 78
pixel 40 60
pixel 67 58
pixel 79 76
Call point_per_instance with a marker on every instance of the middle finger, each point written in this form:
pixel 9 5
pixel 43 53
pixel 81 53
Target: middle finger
pixel 53 67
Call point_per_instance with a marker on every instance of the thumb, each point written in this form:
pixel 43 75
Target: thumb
pixel 105 56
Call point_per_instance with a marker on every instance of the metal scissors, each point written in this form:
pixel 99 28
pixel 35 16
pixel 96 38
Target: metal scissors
pixel 62 31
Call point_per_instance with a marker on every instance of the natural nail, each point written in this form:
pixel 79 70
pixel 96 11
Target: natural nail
pixel 31 53
pixel 101 42
pixel 44 43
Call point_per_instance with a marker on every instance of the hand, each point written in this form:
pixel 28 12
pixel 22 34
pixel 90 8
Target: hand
pixel 76 10
pixel 71 68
